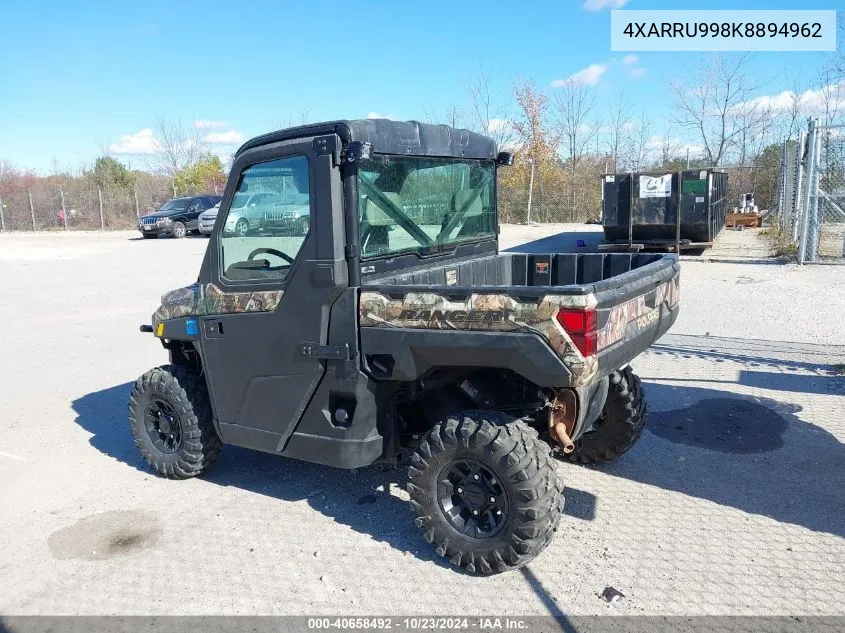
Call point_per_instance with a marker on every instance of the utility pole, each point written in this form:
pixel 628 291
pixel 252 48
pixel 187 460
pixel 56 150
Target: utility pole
pixel 530 190
pixel 31 208
pixel 64 210
pixel 137 208
pixel 2 220
pixel 100 199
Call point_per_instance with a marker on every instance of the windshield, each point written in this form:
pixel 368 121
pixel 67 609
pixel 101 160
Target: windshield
pixel 174 205
pixel 413 204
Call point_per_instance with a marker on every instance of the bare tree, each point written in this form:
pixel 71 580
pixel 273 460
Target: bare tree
pixel 710 110
pixel 670 148
pixel 637 145
pixel 619 134
pixel 452 115
pixel 177 146
pixel 489 111
pixel 574 104
pixel 789 122
pixel 831 94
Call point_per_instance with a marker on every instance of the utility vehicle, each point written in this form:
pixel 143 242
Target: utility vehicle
pixel 394 329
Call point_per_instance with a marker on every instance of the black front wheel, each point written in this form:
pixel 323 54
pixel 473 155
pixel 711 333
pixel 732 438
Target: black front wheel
pixel 170 419
pixel 486 491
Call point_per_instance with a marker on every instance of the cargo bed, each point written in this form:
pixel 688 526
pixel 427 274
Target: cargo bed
pixel 520 310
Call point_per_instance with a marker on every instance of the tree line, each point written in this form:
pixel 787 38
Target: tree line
pixel 564 138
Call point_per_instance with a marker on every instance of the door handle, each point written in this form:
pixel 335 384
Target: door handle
pixel 213 328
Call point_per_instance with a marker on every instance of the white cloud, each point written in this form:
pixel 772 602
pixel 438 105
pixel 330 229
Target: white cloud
pixel 142 142
pixel 495 126
pixel 656 144
pixel 588 76
pixel 205 124
pixel 810 102
pixel 629 59
pixel 230 137
pixel 638 72
pixel 599 5
pixel 376 115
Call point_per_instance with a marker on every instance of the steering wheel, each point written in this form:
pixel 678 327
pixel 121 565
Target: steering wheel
pixel 270 251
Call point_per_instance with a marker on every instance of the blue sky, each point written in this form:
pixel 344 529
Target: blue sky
pixel 78 78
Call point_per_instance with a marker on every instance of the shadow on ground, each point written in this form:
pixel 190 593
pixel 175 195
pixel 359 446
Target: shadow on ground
pixel 359 499
pixel 566 242
pixel 772 365
pixel 753 454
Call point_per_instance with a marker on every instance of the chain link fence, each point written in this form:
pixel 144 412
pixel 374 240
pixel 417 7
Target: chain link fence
pixel 68 203
pixel 812 194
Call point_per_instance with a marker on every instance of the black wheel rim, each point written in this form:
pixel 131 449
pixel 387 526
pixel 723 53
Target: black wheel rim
pixel 162 425
pixel 472 498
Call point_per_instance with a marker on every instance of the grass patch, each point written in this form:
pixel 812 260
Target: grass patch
pixel 781 246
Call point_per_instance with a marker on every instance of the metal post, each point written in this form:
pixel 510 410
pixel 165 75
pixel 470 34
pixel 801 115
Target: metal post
pixel 813 225
pixel 137 208
pixel 530 191
pixel 799 184
pixel 2 219
pixel 100 198
pixel 631 213
pixel 678 215
pixel 782 186
pixel 31 208
pixel 809 179
pixel 64 210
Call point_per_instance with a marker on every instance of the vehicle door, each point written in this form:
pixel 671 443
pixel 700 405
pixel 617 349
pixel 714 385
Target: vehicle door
pixel 192 214
pixel 269 299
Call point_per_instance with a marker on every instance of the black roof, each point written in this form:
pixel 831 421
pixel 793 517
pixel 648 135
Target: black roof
pixel 392 137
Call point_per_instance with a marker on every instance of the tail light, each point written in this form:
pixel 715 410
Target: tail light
pixel 581 325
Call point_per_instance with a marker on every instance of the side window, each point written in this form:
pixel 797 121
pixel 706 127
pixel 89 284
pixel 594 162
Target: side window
pixel 265 225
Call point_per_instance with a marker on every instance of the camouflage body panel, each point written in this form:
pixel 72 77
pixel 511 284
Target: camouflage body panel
pixel 637 309
pixel 502 313
pixel 207 299
pixel 483 312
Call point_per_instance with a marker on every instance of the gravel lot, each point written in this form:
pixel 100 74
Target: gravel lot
pixel 733 502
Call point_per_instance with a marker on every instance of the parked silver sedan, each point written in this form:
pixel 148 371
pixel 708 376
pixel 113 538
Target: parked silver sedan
pixel 206 220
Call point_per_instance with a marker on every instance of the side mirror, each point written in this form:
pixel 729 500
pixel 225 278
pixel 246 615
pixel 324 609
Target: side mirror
pixel 504 158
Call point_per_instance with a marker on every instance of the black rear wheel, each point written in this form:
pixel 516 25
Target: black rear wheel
pixel 170 419
pixel 486 491
pixel 620 425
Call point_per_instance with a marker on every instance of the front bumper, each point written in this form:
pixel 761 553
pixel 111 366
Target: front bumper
pixel 206 228
pixel 153 229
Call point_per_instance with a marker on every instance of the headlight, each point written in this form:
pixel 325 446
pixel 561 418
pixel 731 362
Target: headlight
pixel 165 221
